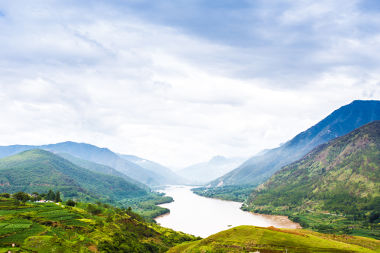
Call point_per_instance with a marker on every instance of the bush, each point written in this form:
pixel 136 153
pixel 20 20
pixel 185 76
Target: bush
pixel 94 210
pixel 5 195
pixel 70 202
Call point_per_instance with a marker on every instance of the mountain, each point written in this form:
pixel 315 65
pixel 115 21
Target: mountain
pixel 94 154
pixel 169 177
pixel 342 121
pixel 99 168
pixel 106 157
pixel 40 170
pixel 341 177
pixel 205 172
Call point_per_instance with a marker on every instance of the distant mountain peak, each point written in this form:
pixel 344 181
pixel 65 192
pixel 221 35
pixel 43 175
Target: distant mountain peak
pixel 218 158
pixel 201 173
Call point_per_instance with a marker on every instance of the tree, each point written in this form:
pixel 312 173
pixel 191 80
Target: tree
pixel 21 196
pixel 70 202
pixel 50 195
pixel 36 196
pixel 57 197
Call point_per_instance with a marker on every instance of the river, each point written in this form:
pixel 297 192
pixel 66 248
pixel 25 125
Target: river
pixel 201 216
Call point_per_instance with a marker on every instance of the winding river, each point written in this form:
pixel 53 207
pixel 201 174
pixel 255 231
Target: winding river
pixel 203 216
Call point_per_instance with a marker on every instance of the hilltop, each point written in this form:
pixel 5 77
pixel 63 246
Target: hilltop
pixel 257 239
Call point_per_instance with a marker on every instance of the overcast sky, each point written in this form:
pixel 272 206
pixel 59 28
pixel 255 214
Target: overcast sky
pixel 180 81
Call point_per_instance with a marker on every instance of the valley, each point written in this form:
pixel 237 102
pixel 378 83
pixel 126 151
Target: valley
pixel 191 126
pixel 318 192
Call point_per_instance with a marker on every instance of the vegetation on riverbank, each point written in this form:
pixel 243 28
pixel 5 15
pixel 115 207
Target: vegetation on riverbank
pixel 147 206
pixel 239 193
pixel 257 239
pixel 79 227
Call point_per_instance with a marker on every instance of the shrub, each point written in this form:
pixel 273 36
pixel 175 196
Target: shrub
pixel 70 202
pixel 5 195
pixel 93 209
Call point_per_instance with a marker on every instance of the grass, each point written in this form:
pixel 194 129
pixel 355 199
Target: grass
pixel 252 239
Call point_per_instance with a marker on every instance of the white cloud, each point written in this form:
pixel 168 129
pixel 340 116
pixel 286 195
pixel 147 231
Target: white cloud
pixel 100 74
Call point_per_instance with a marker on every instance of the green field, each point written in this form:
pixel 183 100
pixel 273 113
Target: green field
pixel 256 239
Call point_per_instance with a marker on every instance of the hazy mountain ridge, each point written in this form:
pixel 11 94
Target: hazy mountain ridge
pixel 217 166
pixel 92 153
pixel 343 120
pixel 99 168
pixel 39 170
pixel 170 176
pixel 106 157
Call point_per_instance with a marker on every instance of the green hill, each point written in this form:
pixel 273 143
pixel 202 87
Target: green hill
pixel 50 227
pixel 256 239
pixel 334 188
pixel 94 154
pixel 39 170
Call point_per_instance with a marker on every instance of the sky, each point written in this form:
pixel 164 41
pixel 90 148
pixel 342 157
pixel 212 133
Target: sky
pixel 178 82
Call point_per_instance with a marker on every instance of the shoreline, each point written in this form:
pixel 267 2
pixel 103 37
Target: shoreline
pixel 281 221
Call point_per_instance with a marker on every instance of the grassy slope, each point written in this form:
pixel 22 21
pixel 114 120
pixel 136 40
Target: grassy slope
pixel 251 239
pixel 49 227
pixel 335 188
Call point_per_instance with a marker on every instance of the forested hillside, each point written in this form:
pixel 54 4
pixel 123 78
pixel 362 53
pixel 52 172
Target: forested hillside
pixel 39 170
pixel 334 188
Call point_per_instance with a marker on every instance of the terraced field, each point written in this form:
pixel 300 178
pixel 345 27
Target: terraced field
pixel 51 227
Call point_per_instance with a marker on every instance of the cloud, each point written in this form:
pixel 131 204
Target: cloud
pixel 181 81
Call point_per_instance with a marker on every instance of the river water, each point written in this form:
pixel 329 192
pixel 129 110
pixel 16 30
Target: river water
pixel 203 216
